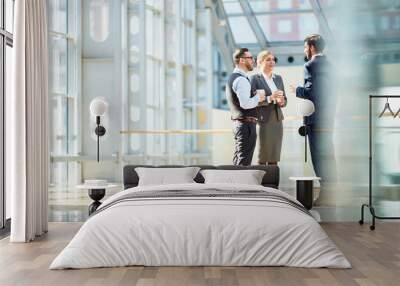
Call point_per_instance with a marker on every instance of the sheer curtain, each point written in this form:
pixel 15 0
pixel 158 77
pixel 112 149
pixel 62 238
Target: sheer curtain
pixel 28 154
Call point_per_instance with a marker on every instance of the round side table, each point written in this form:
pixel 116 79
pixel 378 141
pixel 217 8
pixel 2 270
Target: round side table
pixel 304 190
pixel 96 193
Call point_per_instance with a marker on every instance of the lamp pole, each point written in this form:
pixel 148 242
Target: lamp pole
pixel 100 131
pixel 98 137
pixel 305 139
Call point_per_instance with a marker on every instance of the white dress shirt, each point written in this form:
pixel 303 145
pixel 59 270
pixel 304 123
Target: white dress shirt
pixel 271 84
pixel 241 86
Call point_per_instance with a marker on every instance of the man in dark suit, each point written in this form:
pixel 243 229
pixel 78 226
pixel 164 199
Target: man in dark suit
pixel 318 88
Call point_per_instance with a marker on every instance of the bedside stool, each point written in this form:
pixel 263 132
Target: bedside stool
pixel 304 190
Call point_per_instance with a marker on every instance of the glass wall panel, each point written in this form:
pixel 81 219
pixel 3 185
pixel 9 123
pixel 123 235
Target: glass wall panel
pixel 134 113
pixel 269 6
pixel 153 83
pixel 189 10
pixel 171 44
pixel 6 82
pixel 150 66
pixel 157 36
pixel 59 125
pixel 134 24
pixel 241 29
pixel 170 6
pixel 9 61
pixel 58 58
pixel 288 27
pixel 58 175
pixel 150 122
pixel 188 48
pixel 8 70
pixel 171 88
pixel 150 30
pixel 136 61
pixel 58 15
pixel 201 50
pixel 188 83
pixel 154 3
pixel 135 144
pixel 99 20
pixel 153 26
pixel 232 7
pixel 64 101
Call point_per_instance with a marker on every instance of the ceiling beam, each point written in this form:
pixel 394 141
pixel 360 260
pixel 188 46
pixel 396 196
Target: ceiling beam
pixel 322 21
pixel 222 32
pixel 255 25
pixel 277 12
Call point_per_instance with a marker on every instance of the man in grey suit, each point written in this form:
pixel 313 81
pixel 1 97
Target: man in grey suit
pixel 242 103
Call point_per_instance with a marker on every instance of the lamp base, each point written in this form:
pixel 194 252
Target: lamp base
pixel 96 195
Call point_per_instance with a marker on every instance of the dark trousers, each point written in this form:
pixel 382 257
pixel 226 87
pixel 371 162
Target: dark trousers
pixel 322 153
pixel 245 135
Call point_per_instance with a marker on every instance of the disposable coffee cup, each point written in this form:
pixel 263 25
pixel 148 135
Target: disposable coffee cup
pixel 280 99
pixel 260 92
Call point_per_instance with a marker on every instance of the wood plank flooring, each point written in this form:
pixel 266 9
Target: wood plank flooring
pixel 375 257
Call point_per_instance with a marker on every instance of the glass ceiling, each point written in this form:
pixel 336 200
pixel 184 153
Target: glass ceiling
pixel 241 30
pixel 269 21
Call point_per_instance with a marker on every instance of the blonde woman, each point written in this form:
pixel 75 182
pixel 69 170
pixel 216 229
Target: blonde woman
pixel 270 115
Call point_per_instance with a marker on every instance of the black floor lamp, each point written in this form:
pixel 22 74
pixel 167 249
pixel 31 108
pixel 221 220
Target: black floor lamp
pixel 98 108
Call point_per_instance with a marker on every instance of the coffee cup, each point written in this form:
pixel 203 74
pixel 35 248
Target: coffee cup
pixel 260 92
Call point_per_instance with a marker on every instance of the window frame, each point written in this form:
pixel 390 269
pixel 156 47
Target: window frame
pixel 67 144
pixel 6 39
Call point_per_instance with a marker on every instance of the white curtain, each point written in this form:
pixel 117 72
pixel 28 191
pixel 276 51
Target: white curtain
pixel 28 156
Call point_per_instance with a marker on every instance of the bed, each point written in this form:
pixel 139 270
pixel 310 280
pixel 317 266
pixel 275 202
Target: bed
pixel 198 224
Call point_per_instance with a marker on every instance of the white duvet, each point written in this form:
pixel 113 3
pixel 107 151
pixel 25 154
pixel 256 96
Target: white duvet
pixel 200 231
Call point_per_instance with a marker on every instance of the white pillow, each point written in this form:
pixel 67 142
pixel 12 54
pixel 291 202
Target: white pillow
pixel 248 177
pixel 165 176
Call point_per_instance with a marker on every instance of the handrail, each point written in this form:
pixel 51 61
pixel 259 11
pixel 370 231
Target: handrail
pixel 198 131
pixel 187 131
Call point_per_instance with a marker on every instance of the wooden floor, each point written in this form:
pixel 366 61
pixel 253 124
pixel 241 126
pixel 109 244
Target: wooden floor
pixel 375 257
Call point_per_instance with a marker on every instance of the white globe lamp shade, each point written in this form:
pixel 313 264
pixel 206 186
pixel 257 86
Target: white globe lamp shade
pixel 98 107
pixel 306 107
